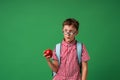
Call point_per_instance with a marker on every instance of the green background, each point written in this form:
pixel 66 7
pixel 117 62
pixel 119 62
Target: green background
pixel 28 27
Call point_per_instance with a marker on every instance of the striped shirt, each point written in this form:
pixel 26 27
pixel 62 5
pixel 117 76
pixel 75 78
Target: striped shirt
pixel 69 67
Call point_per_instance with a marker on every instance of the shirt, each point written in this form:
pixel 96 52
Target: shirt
pixel 69 68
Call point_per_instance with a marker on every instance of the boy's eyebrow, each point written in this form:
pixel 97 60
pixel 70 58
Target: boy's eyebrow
pixel 69 30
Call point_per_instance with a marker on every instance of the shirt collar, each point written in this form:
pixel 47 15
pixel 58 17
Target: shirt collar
pixel 68 44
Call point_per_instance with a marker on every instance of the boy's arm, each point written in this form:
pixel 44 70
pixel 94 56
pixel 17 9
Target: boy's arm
pixel 84 70
pixel 53 64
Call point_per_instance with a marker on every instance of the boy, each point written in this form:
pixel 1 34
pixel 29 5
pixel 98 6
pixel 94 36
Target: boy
pixel 69 68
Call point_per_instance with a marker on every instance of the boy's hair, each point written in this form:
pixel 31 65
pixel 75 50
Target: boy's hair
pixel 71 21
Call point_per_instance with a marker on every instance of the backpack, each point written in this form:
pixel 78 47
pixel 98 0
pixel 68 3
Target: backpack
pixel 79 51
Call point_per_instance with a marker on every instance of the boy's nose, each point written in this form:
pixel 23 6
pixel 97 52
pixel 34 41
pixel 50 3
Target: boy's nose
pixel 68 34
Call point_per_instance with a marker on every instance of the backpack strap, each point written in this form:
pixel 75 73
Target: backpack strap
pixel 79 51
pixel 58 46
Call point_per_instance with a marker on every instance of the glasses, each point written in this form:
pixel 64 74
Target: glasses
pixel 69 33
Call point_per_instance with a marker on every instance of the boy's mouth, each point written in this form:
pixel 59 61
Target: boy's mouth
pixel 68 37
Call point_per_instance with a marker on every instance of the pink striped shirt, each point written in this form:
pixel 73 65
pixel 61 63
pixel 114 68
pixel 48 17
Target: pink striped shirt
pixel 69 68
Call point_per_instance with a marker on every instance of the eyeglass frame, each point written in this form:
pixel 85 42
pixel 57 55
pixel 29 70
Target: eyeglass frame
pixel 69 33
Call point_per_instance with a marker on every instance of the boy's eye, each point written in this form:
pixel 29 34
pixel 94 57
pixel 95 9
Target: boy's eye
pixel 69 32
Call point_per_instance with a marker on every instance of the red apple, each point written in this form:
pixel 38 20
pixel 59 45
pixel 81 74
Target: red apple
pixel 48 52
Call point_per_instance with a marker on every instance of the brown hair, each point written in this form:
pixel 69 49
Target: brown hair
pixel 71 21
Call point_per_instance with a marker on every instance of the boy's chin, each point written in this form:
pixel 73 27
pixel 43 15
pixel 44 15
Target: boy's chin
pixel 68 40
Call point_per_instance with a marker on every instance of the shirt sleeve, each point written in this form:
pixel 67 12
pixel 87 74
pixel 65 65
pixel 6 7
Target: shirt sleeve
pixel 85 56
pixel 54 57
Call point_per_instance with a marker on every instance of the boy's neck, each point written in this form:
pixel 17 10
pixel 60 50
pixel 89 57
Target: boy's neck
pixel 70 41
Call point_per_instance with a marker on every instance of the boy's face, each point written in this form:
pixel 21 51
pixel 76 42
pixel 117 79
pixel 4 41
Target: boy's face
pixel 69 33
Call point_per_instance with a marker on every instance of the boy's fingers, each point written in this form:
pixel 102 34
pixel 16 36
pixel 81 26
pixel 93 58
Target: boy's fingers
pixel 44 54
pixel 47 56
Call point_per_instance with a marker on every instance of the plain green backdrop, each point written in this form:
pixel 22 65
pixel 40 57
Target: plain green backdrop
pixel 28 27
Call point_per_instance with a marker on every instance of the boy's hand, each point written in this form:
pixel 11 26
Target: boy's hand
pixel 47 54
pixel 47 57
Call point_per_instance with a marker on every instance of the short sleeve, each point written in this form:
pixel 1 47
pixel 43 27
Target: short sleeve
pixel 85 55
pixel 54 55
